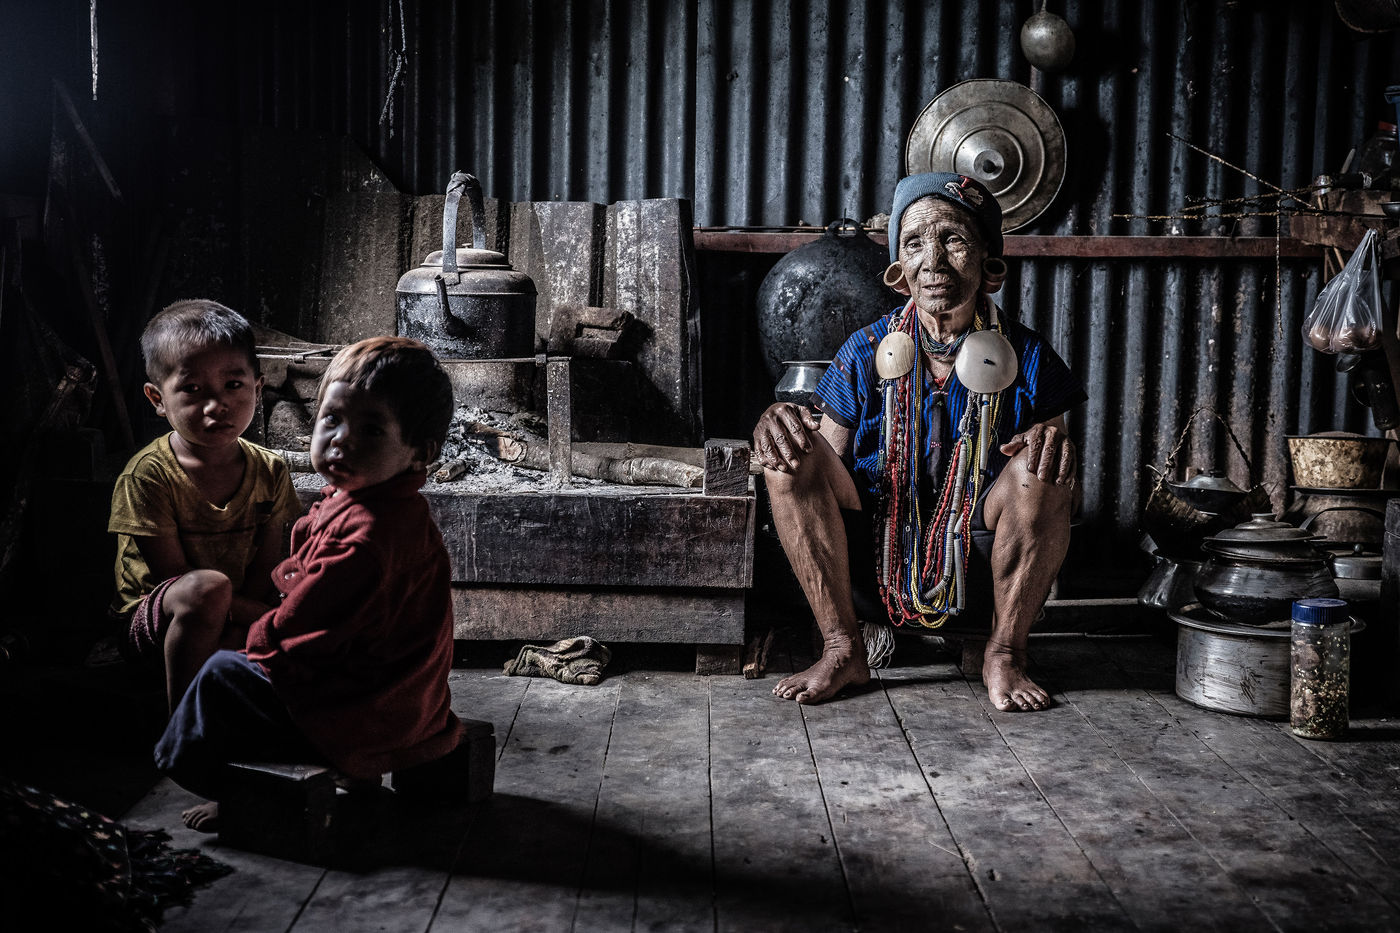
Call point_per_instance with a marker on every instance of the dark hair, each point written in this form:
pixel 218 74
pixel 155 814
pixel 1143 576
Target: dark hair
pixel 191 325
pixel 406 375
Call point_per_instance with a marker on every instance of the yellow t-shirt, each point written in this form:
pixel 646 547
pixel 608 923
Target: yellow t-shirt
pixel 154 497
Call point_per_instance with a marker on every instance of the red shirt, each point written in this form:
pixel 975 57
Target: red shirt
pixel 361 644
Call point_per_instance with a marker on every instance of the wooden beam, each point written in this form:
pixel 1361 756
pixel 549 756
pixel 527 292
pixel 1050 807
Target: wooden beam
pixel 732 240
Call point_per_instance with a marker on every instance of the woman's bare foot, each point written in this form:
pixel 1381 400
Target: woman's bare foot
pixel 839 666
pixel 1008 687
pixel 203 818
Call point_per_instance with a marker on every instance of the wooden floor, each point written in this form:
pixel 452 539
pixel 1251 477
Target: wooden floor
pixel 666 801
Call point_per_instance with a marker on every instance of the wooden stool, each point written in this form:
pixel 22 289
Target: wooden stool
pixel 466 774
pixel 286 811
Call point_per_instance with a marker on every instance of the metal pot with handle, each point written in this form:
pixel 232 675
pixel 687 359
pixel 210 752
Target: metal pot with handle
pixel 467 303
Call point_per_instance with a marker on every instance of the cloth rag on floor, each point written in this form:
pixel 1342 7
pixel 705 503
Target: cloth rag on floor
pixel 577 660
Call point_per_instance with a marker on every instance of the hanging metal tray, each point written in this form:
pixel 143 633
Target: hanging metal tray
pixel 999 132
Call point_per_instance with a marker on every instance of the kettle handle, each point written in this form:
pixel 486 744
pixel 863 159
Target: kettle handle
pixel 461 180
pixel 1307 522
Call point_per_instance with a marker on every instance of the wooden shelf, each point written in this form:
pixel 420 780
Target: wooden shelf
pixel 740 240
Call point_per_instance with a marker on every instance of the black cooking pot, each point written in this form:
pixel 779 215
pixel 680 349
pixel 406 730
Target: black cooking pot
pixel 819 294
pixel 1258 568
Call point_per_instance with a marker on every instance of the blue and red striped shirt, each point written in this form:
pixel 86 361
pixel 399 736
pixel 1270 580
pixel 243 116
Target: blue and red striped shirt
pixel 849 394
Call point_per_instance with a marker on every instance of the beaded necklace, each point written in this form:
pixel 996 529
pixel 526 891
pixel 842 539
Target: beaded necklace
pixel 923 565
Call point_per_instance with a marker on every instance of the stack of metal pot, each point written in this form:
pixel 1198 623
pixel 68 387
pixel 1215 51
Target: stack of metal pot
pixel 1256 570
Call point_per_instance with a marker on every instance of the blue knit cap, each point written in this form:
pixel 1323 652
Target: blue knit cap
pixel 962 190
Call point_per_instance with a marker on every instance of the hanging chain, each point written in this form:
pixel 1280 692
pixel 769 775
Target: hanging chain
pixel 92 33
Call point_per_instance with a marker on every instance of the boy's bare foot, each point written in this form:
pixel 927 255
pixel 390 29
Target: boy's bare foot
pixel 838 667
pixel 203 818
pixel 1008 687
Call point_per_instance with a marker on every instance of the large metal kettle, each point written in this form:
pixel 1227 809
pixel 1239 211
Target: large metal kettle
pixel 467 303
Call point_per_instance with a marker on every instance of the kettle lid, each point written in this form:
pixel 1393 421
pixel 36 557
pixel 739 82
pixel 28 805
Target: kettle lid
pixel 468 257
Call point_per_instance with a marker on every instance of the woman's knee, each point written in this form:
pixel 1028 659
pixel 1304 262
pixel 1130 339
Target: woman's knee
pixel 1026 497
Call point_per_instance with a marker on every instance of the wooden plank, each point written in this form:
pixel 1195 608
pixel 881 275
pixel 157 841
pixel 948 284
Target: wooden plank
pixel 262 893
pixel 1131 838
pixel 649 265
pixel 739 240
pixel 1289 874
pixel 523 861
pixel 560 246
pixel 776 864
pixel 559 407
pixel 901 862
pixel 1026 864
pixel 622 538
pixel 609 614
pixel 649 862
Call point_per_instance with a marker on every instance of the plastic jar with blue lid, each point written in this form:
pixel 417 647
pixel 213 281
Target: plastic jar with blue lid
pixel 1320 676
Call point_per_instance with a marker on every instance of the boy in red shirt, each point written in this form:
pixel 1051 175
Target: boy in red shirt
pixel 350 669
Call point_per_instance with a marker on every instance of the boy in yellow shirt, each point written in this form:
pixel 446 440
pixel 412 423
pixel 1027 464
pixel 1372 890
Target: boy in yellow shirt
pixel 199 513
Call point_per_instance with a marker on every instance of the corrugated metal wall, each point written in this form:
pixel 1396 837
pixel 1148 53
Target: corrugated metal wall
pixel 775 113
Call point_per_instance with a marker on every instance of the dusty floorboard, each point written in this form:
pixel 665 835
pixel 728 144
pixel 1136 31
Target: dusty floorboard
pixel 664 801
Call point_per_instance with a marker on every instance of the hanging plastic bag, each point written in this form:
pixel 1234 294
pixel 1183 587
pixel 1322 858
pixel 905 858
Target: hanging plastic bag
pixel 1347 315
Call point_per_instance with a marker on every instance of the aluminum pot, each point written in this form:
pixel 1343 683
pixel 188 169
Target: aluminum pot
pixel 1338 459
pixel 467 303
pixel 799 378
pixel 1258 568
pixel 1233 668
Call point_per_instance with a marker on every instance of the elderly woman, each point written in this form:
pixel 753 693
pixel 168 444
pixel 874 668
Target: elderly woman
pixel 916 501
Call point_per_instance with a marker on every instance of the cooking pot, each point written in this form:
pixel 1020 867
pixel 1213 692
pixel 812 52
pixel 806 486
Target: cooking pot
pixel 1234 668
pixel 1258 568
pixel 1171 584
pixel 467 303
pixel 1209 492
pixel 1338 459
pixel 820 293
pixel 1342 516
pixel 1358 573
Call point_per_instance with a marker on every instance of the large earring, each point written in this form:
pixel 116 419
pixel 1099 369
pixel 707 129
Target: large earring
pixel 993 274
pixel 894 278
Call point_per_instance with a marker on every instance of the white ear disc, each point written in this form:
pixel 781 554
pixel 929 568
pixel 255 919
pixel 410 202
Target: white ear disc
pixel 986 362
pixel 895 355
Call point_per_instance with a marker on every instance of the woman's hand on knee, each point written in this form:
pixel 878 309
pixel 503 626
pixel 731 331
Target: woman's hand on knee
pixel 783 436
pixel 1049 453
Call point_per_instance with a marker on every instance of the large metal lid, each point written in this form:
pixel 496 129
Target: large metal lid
pixel 1262 529
pixel 998 132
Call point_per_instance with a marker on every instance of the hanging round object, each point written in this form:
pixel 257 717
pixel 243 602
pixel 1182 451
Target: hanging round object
pixel 998 132
pixel 986 362
pixel 819 294
pixel 1047 41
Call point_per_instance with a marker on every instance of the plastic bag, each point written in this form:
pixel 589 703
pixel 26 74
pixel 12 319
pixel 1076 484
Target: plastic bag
pixel 1347 315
